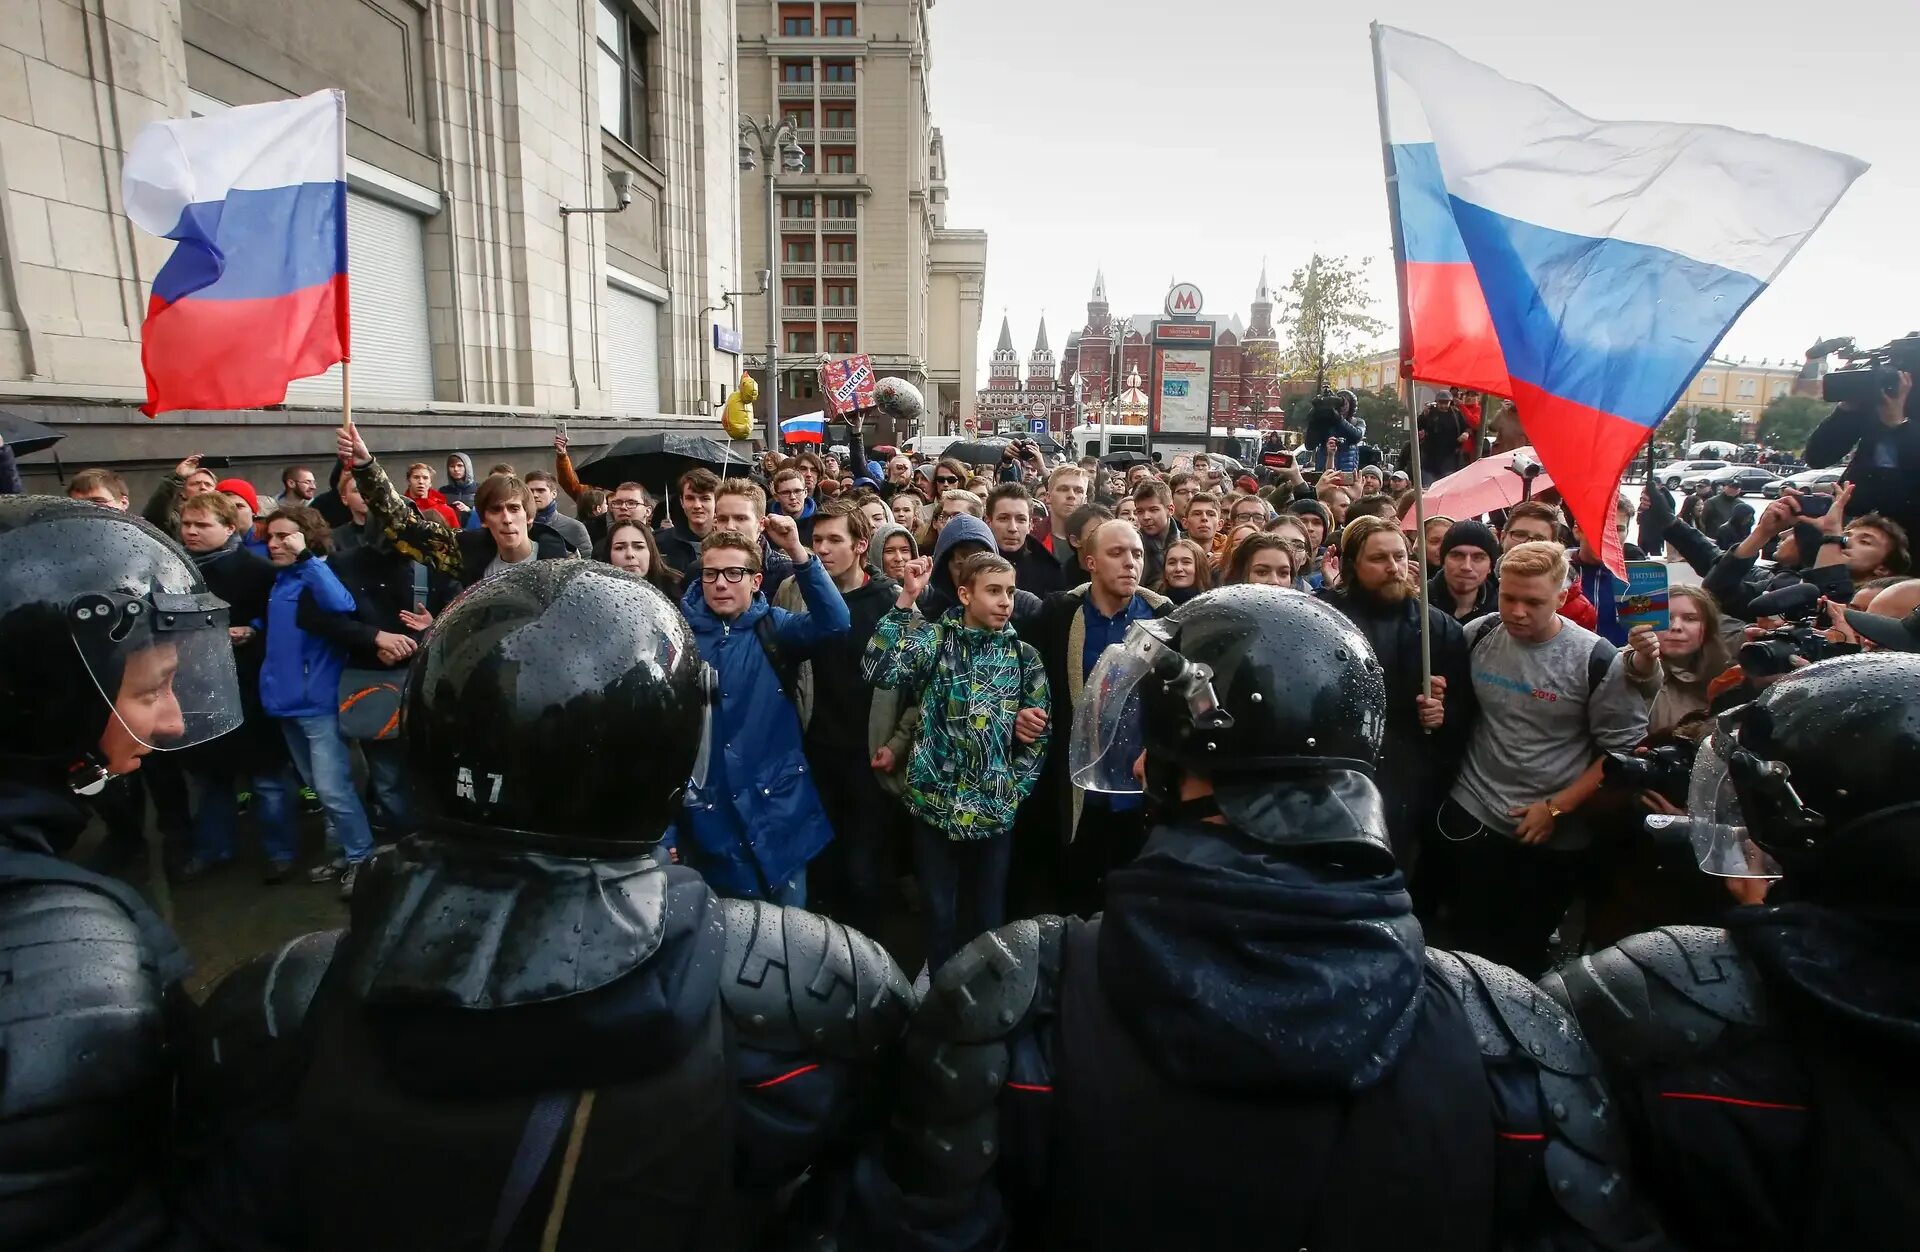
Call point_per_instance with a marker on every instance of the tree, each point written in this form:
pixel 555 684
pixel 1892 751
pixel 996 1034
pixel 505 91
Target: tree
pixel 1788 421
pixel 1386 418
pixel 1324 313
pixel 1708 425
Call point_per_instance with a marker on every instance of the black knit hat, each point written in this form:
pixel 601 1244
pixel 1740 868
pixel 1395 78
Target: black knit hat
pixel 1470 533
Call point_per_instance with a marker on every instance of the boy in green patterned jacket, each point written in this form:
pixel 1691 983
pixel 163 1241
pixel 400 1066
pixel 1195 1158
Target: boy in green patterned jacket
pixel 981 743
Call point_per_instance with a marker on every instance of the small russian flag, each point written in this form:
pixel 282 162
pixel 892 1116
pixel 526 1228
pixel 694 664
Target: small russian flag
pixel 807 428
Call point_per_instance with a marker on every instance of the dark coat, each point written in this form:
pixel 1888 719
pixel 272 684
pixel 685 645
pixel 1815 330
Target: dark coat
pixel 381 581
pixel 477 550
pixel 1416 768
pixel 244 581
pixel 1035 569
pixel 1892 489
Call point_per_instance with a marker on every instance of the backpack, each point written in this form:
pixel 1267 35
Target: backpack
pixel 1599 661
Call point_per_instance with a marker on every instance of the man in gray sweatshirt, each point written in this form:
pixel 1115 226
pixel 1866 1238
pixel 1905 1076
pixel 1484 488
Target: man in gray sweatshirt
pixel 1554 699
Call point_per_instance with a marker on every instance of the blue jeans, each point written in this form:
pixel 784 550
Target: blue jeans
pixel 387 781
pixel 216 814
pixel 320 754
pixel 964 882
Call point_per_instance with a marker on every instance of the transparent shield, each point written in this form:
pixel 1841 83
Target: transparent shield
pixel 1108 736
pixel 164 665
pixel 1715 823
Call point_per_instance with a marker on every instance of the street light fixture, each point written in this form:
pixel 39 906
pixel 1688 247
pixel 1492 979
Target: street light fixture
pixel 760 141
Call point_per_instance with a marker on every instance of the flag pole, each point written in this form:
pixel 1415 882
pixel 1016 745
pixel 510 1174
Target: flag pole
pixel 1405 379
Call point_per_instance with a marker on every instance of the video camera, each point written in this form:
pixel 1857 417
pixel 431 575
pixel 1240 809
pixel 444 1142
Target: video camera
pixel 1773 652
pixel 1872 373
pixel 1667 769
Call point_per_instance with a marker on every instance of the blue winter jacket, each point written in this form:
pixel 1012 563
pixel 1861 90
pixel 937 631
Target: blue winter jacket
pixel 757 820
pixel 301 675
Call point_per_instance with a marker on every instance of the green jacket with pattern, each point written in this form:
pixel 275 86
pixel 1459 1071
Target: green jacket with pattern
pixel 967 775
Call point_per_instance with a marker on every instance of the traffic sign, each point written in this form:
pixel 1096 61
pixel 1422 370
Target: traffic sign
pixel 1037 425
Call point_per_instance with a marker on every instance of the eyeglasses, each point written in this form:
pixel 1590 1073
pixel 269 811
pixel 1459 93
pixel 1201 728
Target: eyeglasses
pixel 945 480
pixel 732 573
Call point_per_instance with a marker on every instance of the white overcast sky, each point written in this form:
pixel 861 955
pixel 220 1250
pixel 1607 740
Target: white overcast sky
pixel 1189 139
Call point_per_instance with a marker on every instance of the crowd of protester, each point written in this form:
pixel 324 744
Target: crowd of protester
pixel 899 642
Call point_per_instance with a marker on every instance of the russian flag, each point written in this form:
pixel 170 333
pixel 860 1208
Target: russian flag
pixel 1592 265
pixel 807 428
pixel 255 295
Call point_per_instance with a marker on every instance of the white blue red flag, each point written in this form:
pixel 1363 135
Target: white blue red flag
pixel 1585 268
pixel 807 428
pixel 848 384
pixel 255 293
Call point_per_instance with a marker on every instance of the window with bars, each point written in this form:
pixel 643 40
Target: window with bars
pixel 622 78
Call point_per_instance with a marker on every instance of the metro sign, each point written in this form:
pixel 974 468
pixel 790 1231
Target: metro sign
pixel 1184 300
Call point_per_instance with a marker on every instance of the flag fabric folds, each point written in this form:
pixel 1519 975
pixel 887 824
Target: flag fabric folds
pixel 255 293
pixel 808 428
pixel 1585 268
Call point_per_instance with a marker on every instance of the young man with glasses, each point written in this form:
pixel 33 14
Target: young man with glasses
pixel 755 821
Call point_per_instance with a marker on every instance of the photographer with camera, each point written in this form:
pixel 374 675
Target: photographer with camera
pixel 1874 421
pixel 1330 422
pixel 1804 526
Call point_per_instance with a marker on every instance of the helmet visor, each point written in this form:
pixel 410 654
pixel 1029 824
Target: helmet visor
pixel 1715 823
pixel 163 664
pixel 1107 727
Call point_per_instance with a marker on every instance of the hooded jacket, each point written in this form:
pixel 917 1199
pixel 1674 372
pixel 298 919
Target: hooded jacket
pixel 967 775
pixel 461 492
pixel 756 820
pixel 940 594
pixel 301 674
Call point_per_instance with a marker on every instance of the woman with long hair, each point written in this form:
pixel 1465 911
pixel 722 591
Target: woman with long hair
pixel 1693 652
pixel 1185 571
pixel 1265 559
pixel 630 546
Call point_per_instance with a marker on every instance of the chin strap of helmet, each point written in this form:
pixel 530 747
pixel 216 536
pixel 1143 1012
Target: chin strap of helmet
pixel 88 775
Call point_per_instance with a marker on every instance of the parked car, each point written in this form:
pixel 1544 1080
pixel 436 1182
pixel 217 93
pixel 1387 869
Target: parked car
pixel 1753 479
pixel 1826 479
pixel 1677 474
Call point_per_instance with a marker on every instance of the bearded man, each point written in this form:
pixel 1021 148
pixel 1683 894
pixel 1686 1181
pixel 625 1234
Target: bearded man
pixel 1427 728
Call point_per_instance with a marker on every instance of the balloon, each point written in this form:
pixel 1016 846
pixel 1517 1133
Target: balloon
pixel 899 398
pixel 737 417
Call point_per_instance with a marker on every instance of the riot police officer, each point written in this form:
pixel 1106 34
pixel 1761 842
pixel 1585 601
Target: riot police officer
pixel 1251 1046
pixel 1766 1070
pixel 536 1031
pixel 110 648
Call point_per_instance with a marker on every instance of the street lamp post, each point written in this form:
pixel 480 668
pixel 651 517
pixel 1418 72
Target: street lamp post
pixel 765 140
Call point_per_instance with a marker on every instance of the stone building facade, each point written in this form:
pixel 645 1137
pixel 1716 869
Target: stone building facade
pixel 470 124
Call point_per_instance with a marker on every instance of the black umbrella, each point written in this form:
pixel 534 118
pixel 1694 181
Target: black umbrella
pixel 657 460
pixel 976 451
pixel 1125 459
pixel 24 436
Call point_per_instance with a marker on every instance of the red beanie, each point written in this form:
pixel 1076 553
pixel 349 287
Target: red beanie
pixel 242 488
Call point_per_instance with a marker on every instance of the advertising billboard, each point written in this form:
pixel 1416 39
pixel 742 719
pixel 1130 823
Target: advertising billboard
pixel 1186 390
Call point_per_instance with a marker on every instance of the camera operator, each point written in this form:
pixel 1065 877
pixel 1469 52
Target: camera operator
pixel 1812 548
pixel 1021 462
pixel 1442 429
pixel 1330 421
pixel 1877 428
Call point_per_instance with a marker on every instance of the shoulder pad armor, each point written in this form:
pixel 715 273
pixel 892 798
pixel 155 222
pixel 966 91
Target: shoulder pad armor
pixel 795 981
pixel 1510 1015
pixel 264 1000
pixel 1547 1092
pixel 1660 995
pixel 959 1058
pixel 80 1012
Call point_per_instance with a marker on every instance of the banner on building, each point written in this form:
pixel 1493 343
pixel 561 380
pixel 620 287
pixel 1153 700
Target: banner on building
pixel 848 384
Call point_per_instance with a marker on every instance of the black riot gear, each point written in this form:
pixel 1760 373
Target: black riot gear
pixel 569 670
pixel 84 592
pixel 100 618
pixel 535 1029
pixel 1813 759
pixel 1254 1021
